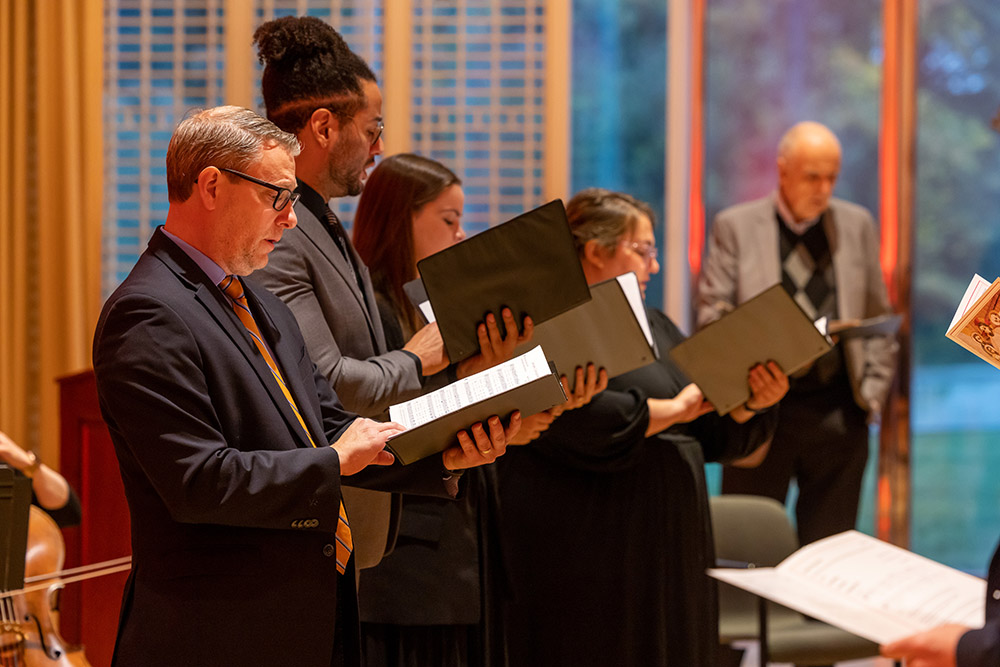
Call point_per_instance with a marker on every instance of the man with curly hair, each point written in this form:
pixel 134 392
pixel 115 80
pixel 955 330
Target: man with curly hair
pixel 315 87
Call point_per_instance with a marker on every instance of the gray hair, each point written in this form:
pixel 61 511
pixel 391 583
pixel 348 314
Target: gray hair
pixel 225 137
pixel 604 216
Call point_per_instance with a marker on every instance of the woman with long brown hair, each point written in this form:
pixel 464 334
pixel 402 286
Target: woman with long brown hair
pixel 432 600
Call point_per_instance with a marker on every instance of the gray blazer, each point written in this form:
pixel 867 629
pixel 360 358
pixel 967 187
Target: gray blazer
pixel 344 336
pixel 743 259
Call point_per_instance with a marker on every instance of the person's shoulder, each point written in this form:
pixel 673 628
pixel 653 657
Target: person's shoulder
pixel 660 321
pixel 745 210
pixel 149 278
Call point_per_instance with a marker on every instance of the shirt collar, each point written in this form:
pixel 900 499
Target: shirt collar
pixel 788 218
pixel 312 200
pixel 214 272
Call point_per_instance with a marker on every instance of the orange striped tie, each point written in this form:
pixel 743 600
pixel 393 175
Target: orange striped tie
pixel 233 288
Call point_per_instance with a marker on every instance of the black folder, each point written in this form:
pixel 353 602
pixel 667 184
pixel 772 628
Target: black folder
pixel 605 330
pixel 15 500
pixel 528 264
pixel 769 326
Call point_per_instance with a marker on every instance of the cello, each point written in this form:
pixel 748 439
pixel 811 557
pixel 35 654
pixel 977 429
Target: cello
pixel 29 619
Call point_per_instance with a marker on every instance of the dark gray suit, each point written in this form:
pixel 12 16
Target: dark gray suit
pixel 743 259
pixel 344 336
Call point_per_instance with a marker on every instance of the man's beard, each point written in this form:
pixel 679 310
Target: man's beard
pixel 354 188
pixel 347 184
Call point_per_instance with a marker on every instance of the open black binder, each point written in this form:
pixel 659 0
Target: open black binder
pixel 769 326
pixel 528 264
pixel 606 330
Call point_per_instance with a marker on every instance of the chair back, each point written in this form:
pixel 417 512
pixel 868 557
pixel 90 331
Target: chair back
pixel 754 530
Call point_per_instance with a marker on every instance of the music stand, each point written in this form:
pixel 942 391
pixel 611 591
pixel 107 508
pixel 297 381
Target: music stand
pixel 15 499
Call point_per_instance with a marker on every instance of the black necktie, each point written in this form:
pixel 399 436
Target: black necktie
pixel 340 238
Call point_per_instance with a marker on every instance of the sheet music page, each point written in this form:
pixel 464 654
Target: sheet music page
pixel 426 311
pixel 630 286
pixel 867 587
pixel 493 381
pixel 976 288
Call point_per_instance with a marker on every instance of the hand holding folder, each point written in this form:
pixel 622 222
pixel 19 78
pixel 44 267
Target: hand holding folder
pixel 525 383
pixel 769 326
pixel 528 264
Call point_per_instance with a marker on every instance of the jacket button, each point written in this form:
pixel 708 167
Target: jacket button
pixel 328 550
pixel 996 594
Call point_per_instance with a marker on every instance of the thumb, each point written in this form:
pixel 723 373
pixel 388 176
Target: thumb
pixel 383 458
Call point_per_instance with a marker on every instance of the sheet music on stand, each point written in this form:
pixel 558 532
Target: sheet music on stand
pixel 15 500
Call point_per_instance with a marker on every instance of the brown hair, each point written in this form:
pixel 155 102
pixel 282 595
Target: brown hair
pixel 383 225
pixel 604 216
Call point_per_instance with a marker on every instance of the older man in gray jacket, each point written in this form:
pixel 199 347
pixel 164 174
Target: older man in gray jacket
pixel 824 251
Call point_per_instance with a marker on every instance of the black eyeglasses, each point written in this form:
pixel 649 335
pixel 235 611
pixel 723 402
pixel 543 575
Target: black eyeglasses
pixel 282 197
pixel 379 129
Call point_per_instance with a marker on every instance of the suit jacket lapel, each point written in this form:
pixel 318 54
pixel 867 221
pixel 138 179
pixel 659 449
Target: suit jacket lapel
pixel 221 310
pixel 285 357
pixel 765 233
pixel 842 273
pixel 315 230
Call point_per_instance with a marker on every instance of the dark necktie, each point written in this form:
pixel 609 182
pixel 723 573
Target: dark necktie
pixel 340 238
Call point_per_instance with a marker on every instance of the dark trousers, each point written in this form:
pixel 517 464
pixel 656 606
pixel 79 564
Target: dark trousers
pixel 821 441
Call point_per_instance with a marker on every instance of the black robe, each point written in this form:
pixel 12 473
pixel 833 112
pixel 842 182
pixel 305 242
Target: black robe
pixel 607 532
pixel 434 599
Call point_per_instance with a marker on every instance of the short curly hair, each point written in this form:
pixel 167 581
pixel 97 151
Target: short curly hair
pixel 308 65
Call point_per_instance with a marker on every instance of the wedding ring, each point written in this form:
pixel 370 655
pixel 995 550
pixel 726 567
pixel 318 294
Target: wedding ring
pixel 485 451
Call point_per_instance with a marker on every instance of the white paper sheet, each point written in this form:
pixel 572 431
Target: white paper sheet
pixel 513 373
pixel 630 286
pixel 427 311
pixel 867 587
pixel 975 290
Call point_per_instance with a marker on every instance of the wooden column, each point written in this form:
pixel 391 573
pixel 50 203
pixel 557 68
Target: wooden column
pixel 685 218
pixel 397 87
pixel 558 77
pixel 897 154
pixel 239 53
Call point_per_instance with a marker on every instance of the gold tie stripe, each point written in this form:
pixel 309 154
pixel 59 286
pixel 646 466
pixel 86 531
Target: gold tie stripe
pixel 233 288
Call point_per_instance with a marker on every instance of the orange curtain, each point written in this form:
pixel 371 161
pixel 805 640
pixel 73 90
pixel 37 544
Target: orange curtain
pixel 51 182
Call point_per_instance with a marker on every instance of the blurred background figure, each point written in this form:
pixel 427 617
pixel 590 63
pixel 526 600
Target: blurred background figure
pixel 604 518
pixel 824 252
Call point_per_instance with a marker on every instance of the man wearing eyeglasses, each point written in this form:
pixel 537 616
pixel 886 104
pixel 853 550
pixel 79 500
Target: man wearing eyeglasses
pixel 315 87
pixel 231 446
pixel 824 251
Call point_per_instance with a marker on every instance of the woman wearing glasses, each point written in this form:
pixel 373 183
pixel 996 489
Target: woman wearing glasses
pixel 604 518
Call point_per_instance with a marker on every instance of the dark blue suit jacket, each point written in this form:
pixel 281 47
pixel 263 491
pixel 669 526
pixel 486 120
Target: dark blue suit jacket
pixel 981 648
pixel 233 512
